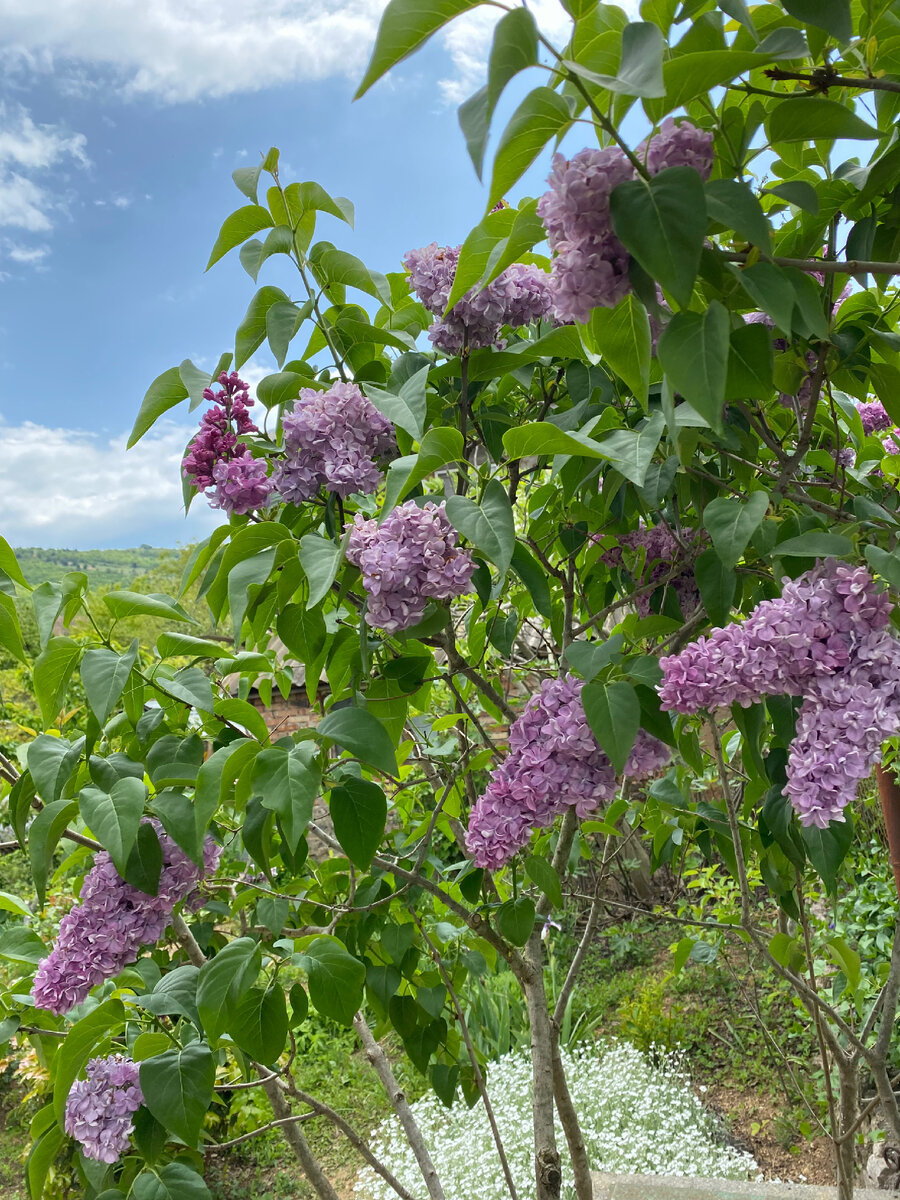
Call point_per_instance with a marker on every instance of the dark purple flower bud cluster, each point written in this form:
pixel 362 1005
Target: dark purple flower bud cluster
pixel 554 762
pixel 874 417
pixel 332 439
pixel 662 553
pixel 110 923
pixel 520 295
pixel 411 557
pixel 100 1108
pixel 590 265
pixel 825 639
pixel 216 462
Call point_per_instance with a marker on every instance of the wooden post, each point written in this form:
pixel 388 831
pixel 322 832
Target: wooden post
pixel 889 790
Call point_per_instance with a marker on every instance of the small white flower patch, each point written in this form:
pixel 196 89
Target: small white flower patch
pixel 635 1117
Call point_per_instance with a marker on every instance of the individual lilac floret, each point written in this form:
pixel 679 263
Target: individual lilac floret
pixel 100 1108
pixel 680 145
pixel 826 639
pixel 332 439
pixel 112 920
pixel 520 295
pixel 662 553
pixel 590 265
pixel 554 763
pixel 874 417
pixel 411 557
pixel 241 484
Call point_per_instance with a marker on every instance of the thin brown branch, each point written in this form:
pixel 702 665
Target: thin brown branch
pixel 359 1144
pixel 824 78
pixel 245 1137
pixel 473 1059
pixel 400 1105
pixel 849 266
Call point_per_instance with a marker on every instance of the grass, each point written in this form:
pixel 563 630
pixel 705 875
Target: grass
pixel 13 1140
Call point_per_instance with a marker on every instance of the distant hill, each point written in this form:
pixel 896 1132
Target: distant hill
pixel 102 567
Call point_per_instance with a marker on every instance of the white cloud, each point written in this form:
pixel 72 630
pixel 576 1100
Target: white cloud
pixel 30 255
pixel 468 40
pixel 68 487
pixel 29 146
pixel 114 202
pixel 187 49
pixel 28 149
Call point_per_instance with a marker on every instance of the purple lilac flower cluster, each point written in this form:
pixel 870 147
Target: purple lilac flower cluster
pixel 216 462
pixel 554 762
pixel 520 295
pixel 679 145
pixel 110 923
pixel 590 265
pixel 662 552
pixel 332 439
pixel 100 1108
pixel 826 639
pixel 874 417
pixel 411 557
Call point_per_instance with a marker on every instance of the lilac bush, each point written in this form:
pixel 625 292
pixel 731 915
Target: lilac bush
pixel 100 1108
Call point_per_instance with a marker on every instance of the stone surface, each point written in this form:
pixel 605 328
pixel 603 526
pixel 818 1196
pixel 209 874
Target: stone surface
pixel 655 1187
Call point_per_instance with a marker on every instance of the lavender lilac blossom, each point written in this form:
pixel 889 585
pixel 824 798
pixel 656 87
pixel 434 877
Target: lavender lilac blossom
pixel 590 264
pixel 411 557
pixel 825 639
pixel 520 295
pixel 874 417
pixel 100 1108
pixel 332 439
pixel 110 923
pixel 662 552
pixel 216 461
pixel 554 763
pixel 681 145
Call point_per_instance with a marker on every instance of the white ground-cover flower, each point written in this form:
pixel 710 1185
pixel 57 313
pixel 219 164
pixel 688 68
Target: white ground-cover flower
pixel 635 1117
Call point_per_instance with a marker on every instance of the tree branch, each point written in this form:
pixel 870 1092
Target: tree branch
pixel 400 1105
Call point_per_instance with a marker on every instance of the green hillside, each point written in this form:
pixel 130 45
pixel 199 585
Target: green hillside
pixel 102 567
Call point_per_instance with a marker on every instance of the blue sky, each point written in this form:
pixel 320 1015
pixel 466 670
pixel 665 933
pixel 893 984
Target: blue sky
pixel 120 123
